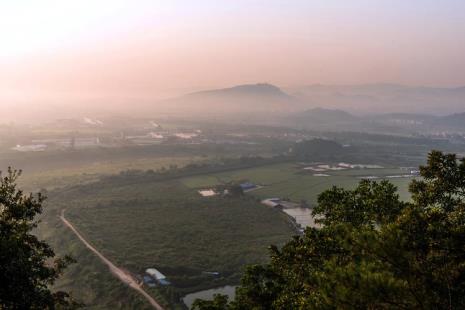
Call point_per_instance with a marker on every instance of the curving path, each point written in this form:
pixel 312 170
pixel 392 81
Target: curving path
pixel 119 273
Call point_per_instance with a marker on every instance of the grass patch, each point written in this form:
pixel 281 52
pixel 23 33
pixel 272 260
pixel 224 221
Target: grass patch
pixel 288 180
pixel 169 226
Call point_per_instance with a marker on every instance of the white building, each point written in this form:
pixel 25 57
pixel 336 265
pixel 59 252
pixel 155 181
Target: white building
pixel 154 273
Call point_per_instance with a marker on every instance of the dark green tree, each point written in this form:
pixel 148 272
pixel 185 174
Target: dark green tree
pixel 219 302
pixel 373 250
pixel 317 149
pixel 27 265
pixel 230 189
pixel 235 190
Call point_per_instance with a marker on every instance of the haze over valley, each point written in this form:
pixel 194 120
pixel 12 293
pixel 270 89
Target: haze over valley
pixel 226 155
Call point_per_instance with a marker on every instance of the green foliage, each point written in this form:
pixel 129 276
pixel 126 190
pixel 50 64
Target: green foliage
pixel 26 267
pixel 370 203
pixel 175 172
pixel 443 183
pixel 163 225
pixel 373 252
pixel 317 149
pixel 231 189
pixel 219 302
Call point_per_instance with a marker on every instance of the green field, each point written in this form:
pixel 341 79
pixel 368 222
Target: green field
pixel 169 226
pixel 58 168
pixel 154 217
pixel 88 280
pixel 91 172
pixel 290 181
pixel 166 224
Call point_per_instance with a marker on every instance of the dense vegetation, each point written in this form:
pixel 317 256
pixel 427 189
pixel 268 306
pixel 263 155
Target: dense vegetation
pixel 165 225
pixel 318 149
pixel 28 266
pixel 206 167
pixel 373 252
pixel 143 219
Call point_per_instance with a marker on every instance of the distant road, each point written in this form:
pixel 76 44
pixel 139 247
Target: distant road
pixel 121 274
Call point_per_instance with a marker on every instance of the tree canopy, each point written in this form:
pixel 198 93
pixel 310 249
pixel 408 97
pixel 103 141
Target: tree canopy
pixel 373 250
pixel 317 149
pixel 28 266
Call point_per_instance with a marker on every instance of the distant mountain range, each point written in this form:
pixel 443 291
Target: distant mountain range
pixel 327 119
pixel 369 98
pixel 384 98
pixel 243 102
pixel 457 120
pixel 388 105
pixel 350 107
pixel 320 116
pixel 247 91
pixel 370 107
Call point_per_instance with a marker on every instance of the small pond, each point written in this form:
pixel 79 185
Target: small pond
pixel 208 294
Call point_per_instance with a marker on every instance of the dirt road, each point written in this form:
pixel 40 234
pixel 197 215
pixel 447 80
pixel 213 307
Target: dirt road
pixel 121 274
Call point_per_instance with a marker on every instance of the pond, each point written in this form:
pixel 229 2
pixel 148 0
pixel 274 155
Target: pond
pixel 208 294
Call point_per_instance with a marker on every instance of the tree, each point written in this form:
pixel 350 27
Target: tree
pixel 219 302
pixel 235 190
pixel 373 251
pixel 230 189
pixel 27 265
pixel 317 149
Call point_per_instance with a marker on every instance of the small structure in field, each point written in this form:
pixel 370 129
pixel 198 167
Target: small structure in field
pixel 207 192
pixel 149 281
pixel 247 186
pixel 157 276
pixel 272 202
pixel 30 148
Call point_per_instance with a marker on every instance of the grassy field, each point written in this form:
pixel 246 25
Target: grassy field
pixel 86 173
pixel 290 181
pixel 88 280
pixel 52 169
pixel 169 226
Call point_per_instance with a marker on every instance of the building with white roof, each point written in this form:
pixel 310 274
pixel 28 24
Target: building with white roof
pixel 154 273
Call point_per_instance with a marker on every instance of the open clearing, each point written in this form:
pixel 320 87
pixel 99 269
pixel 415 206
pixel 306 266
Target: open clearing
pixel 291 181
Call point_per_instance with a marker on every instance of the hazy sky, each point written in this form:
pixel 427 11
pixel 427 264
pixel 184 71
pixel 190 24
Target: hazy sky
pixel 155 48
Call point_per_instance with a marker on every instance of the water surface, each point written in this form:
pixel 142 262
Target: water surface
pixel 208 294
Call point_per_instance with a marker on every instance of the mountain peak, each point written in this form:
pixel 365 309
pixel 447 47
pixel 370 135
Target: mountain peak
pixel 259 89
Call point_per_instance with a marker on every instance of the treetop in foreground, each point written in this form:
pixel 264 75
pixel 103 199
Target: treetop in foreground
pixel 28 266
pixel 373 251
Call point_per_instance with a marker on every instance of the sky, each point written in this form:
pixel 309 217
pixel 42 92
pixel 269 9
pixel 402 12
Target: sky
pixel 59 50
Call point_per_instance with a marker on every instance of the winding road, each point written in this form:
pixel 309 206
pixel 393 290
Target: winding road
pixel 119 273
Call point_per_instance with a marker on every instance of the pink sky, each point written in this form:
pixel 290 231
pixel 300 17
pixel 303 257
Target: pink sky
pixel 60 50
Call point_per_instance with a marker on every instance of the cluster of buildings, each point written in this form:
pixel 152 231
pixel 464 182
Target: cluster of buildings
pixel 245 187
pixel 280 203
pixel 38 145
